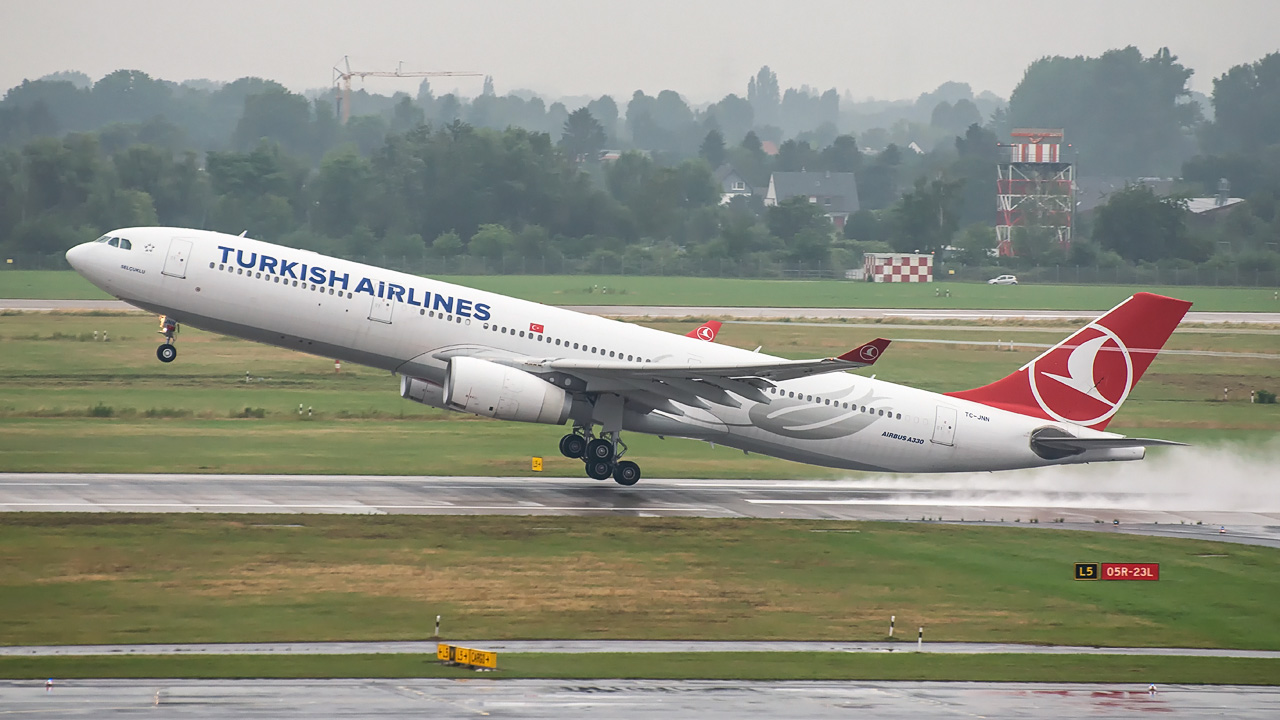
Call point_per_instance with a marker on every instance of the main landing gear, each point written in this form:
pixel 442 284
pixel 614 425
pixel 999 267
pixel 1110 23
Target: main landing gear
pixel 602 455
pixel 168 351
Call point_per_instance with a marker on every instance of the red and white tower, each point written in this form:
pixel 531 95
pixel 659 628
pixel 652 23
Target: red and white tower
pixel 1035 186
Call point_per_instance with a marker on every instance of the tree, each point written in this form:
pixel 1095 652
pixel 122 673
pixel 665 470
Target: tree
pixel 796 156
pixel 1246 106
pixel 842 155
pixel 927 216
pixel 1125 114
pixel 793 216
pixel 712 149
pixel 1142 227
pixel 583 137
pixel 281 116
pixel 734 115
pixel 341 188
pixel 605 111
pixel 764 95
pixel 491 241
pixel 406 116
pixel 447 244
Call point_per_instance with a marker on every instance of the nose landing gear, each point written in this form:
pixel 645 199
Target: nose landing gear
pixel 168 351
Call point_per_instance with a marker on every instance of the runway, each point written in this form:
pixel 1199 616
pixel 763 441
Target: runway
pixel 1079 498
pixel 741 313
pixel 575 647
pixel 399 698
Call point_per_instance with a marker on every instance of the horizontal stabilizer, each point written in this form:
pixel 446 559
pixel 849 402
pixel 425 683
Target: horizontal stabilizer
pixel 1101 443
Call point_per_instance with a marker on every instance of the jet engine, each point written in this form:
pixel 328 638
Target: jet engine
pixel 497 391
pixel 423 391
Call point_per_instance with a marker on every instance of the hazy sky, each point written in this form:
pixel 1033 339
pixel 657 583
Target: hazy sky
pixel 887 49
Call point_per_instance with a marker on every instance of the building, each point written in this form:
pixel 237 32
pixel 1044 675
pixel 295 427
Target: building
pixel 732 184
pixel 897 267
pixel 836 193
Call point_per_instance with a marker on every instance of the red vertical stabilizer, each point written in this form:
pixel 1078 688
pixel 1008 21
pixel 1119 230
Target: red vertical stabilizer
pixel 1085 379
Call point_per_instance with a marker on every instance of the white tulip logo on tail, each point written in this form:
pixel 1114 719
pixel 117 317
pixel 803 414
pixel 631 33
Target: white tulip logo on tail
pixel 1087 385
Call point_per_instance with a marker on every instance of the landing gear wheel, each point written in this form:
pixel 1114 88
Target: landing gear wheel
pixel 626 473
pixel 573 446
pixel 599 469
pixel 166 353
pixel 600 449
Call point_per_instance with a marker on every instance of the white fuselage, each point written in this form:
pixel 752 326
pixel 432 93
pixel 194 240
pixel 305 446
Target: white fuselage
pixel 298 299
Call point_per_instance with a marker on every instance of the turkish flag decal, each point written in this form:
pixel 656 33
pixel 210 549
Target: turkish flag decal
pixel 535 328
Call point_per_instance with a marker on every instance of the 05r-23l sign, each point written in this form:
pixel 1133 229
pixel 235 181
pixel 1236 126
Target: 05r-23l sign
pixel 1117 571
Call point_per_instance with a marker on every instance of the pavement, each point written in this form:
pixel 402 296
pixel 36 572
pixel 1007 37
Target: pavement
pixel 625 699
pixel 671 311
pixel 574 647
pixel 1148 499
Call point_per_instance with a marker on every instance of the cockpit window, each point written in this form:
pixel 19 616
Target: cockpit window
pixel 125 244
pixel 102 239
pixel 114 242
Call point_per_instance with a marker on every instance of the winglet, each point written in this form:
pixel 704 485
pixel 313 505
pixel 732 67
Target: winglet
pixel 707 331
pixel 866 354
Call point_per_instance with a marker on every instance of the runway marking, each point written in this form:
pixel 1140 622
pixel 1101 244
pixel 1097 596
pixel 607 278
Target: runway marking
pixel 433 698
pixel 370 506
pixel 41 484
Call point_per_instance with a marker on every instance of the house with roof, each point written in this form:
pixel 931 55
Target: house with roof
pixel 835 192
pixel 732 184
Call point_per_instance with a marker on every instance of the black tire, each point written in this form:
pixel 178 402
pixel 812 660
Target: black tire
pixel 626 473
pixel 600 449
pixel 166 353
pixel 573 446
pixel 599 469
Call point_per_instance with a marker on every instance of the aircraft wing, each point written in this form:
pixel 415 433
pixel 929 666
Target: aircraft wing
pixel 657 384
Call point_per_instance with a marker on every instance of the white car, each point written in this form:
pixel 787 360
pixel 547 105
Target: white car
pixel 1004 280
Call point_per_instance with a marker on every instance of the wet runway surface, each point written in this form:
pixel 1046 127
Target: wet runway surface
pixel 1073 500
pixel 660 311
pixel 620 699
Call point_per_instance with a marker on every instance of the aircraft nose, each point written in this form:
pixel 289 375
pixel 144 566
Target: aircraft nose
pixel 76 256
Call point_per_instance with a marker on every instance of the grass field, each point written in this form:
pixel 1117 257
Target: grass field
pixel 118 578
pixel 729 292
pixel 718 666
pixel 130 413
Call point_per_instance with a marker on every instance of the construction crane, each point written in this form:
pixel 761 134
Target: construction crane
pixel 344 73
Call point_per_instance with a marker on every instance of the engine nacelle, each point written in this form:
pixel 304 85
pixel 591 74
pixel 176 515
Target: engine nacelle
pixel 497 391
pixel 423 391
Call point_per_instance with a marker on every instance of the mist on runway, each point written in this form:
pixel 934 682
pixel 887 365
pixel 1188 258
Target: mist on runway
pixel 1227 478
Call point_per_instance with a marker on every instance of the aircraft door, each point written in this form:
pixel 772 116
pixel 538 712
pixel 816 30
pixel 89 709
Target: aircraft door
pixel 944 427
pixel 175 265
pixel 381 309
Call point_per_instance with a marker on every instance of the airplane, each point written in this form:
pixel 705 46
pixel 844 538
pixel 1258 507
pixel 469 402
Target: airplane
pixel 471 351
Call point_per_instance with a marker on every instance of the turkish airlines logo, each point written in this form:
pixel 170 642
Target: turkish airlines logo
pixel 1085 381
pixel 869 353
pixel 706 333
